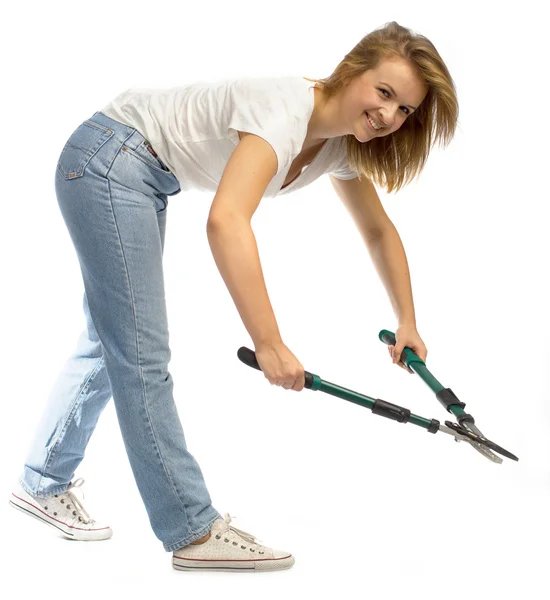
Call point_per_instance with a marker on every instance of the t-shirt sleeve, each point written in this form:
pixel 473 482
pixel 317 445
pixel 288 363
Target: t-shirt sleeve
pixel 273 130
pixel 344 173
pixel 268 112
pixel 342 170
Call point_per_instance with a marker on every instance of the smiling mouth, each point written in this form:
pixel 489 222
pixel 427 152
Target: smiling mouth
pixel 370 124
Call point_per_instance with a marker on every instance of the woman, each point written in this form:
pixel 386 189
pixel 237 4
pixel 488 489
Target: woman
pixel 372 120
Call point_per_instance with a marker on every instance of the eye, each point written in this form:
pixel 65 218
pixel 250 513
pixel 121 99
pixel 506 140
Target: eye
pixel 389 96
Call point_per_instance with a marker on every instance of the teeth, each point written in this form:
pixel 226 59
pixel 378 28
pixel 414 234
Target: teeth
pixel 372 122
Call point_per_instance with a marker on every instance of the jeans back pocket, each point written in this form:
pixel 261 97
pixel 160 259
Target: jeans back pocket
pixel 83 143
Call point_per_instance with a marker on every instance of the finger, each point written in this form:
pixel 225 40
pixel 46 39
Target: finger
pixel 297 387
pixel 404 366
pixel 397 353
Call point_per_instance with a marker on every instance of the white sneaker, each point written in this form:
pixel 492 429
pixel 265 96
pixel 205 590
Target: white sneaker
pixel 230 549
pixel 63 511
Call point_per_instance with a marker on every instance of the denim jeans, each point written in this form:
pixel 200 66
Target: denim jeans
pixel 113 195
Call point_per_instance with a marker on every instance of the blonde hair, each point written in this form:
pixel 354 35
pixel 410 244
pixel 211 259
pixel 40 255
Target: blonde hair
pixel 394 160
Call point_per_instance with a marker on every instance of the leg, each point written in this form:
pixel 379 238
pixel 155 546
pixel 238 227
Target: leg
pixel 110 190
pixel 78 397
pixel 76 401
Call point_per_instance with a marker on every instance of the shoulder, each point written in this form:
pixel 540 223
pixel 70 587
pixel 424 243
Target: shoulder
pixel 269 89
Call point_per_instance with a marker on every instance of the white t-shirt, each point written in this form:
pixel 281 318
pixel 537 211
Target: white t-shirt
pixel 194 128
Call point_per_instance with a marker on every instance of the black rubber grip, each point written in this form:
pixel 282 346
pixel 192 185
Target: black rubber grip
pixel 448 398
pixel 388 339
pixel 434 426
pixel 391 411
pixel 248 357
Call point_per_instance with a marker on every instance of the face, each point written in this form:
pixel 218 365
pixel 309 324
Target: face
pixel 371 92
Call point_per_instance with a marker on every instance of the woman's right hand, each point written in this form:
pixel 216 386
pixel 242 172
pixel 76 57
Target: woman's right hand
pixel 280 366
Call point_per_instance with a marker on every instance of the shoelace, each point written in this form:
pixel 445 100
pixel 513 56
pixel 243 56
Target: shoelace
pixel 78 483
pixel 245 535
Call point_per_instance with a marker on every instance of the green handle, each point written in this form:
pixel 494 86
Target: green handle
pixel 407 356
pixel 445 395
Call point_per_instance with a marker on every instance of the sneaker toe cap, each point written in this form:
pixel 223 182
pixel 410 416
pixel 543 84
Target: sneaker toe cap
pixel 281 553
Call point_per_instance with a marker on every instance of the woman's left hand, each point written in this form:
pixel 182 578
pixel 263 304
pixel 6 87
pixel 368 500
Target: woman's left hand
pixel 406 335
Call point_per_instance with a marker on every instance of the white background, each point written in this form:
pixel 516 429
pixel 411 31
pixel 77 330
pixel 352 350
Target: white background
pixel 369 507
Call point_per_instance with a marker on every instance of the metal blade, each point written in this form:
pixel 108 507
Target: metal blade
pixel 479 447
pixel 464 438
pixel 478 440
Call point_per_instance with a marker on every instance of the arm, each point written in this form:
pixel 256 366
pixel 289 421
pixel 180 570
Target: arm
pixel 244 180
pixel 388 255
pixel 382 241
pixel 235 251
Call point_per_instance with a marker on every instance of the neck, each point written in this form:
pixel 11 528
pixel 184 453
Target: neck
pixel 324 122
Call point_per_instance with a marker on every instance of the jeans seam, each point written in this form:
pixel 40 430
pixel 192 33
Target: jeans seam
pixel 146 407
pixel 98 126
pixel 58 489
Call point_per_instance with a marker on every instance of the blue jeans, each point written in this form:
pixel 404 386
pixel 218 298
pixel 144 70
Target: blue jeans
pixel 113 195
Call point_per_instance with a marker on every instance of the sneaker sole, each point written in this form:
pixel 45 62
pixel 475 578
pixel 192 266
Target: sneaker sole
pixel 246 566
pixel 67 531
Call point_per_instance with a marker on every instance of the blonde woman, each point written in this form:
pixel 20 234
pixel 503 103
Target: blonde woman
pixel 371 122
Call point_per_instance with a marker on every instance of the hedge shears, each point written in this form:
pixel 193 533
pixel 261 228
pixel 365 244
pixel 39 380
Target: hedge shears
pixel 464 431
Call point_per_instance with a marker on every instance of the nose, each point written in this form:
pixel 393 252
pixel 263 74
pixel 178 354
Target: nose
pixel 388 117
